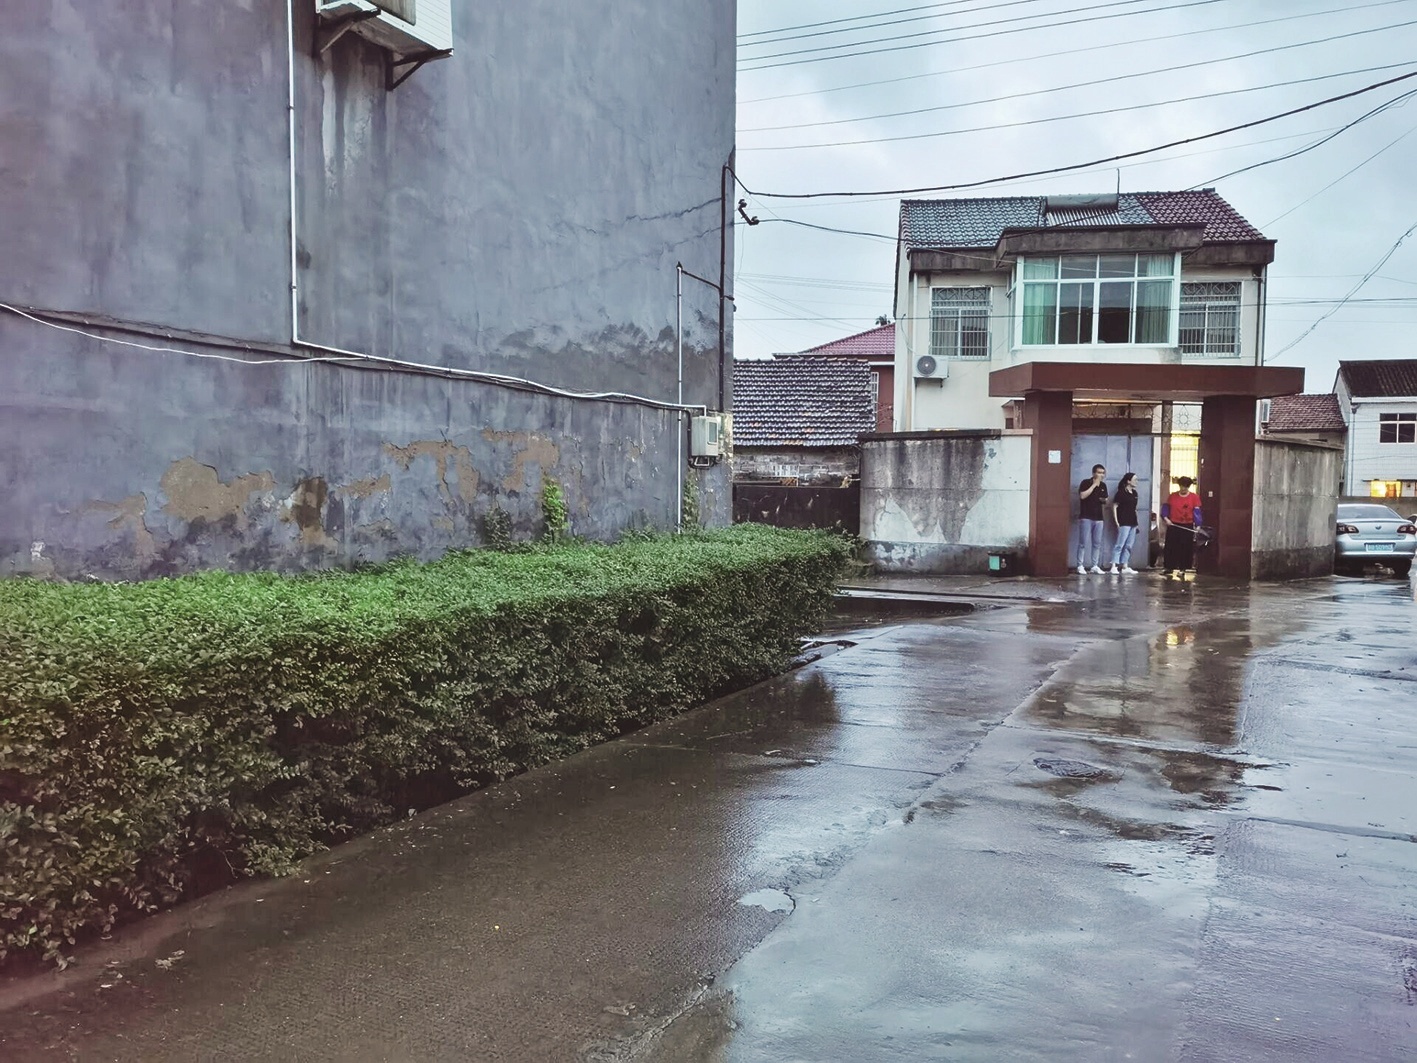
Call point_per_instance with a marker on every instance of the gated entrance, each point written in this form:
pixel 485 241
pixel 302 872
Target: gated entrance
pixel 1121 455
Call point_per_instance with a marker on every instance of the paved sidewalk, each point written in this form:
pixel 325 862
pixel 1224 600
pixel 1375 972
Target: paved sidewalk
pixel 1098 819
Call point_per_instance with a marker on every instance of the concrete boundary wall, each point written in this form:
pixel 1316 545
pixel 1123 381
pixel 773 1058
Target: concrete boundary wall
pixel 1295 502
pixel 942 502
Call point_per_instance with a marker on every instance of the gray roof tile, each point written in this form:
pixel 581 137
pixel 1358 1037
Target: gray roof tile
pixel 801 401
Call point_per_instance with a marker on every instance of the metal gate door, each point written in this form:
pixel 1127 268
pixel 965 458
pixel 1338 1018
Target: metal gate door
pixel 1120 454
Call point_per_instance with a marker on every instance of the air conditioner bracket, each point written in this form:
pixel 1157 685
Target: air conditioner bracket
pixel 394 77
pixel 329 31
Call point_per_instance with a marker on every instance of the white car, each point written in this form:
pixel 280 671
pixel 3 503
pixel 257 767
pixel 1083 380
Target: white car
pixel 1369 532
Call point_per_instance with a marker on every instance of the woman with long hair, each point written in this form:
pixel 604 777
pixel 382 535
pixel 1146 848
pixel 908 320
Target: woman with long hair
pixel 1124 516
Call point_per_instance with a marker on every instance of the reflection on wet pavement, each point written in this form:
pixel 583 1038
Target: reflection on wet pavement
pixel 1145 821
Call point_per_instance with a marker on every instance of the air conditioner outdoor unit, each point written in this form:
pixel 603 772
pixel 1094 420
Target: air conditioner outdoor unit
pixel 928 367
pixel 404 27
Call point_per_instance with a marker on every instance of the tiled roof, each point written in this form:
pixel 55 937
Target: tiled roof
pixel 877 344
pixel 801 401
pixel 1380 378
pixel 1305 413
pixel 958 223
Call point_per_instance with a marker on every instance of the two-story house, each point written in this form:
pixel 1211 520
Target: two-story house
pixel 1379 402
pixel 1094 322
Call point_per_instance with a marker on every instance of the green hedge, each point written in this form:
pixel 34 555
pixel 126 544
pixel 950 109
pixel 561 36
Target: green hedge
pixel 250 719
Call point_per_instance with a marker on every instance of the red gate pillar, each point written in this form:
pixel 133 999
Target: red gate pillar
pixel 1050 415
pixel 1227 483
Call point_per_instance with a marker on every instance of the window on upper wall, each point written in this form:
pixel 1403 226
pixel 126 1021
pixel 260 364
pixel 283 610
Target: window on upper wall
pixel 1397 428
pixel 1210 318
pixel 959 322
pixel 1095 299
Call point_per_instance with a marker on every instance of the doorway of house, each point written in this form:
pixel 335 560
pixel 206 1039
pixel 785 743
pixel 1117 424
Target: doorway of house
pixel 1120 454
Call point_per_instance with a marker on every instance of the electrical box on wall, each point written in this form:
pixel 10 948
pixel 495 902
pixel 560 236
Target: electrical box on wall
pixel 705 437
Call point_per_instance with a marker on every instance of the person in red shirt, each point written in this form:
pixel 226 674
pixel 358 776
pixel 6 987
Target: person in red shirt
pixel 1182 516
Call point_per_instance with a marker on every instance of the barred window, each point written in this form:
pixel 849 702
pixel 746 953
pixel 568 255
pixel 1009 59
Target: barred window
pixel 959 322
pixel 1210 318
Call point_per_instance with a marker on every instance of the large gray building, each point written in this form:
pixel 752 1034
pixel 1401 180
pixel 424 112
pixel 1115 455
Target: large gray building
pixel 263 257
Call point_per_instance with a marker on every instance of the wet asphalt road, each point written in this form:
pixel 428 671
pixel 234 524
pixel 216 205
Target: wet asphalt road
pixel 1145 821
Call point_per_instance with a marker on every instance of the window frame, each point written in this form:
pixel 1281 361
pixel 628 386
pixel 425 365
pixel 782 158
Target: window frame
pixel 1022 283
pixel 1205 303
pixel 1397 420
pixel 959 312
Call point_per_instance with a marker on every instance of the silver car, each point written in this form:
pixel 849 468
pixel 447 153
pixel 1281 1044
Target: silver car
pixel 1368 533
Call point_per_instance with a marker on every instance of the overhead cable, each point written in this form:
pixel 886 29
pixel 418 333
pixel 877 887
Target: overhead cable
pixel 1130 43
pixel 1070 117
pixel 972 37
pixel 1075 85
pixel 1090 163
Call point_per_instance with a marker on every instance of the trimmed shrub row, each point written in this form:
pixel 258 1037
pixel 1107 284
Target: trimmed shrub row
pixel 245 721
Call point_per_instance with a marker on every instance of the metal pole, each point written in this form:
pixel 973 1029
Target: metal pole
pixel 679 413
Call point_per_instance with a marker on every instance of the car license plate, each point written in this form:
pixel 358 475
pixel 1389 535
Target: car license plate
pixel 1379 548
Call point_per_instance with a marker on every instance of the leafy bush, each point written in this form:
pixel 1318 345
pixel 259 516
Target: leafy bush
pixel 244 721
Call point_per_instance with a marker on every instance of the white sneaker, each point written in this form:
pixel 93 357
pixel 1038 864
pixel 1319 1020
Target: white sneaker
pixel 1127 570
pixel 1096 570
pixel 1114 571
pixel 1082 570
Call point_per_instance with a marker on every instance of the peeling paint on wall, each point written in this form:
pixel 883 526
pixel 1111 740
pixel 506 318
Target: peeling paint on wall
pixel 129 515
pixel 196 492
pixel 531 446
pixel 367 487
pixel 446 455
pixel 305 508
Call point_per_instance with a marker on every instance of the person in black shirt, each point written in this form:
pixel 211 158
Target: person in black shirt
pixel 1124 515
pixel 1092 497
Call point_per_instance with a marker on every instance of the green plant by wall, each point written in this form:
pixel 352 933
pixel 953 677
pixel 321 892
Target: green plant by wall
pixel 554 510
pixel 497 529
pixel 691 500
pixel 248 720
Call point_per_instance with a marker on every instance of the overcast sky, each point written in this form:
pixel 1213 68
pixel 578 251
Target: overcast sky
pixel 997 83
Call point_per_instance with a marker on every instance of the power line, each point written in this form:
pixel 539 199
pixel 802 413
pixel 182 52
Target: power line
pixel 862 18
pixel 1395 101
pixel 973 37
pixel 1075 85
pixel 1351 292
pixel 952 29
pixel 1091 163
pixel 1346 174
pixel 1073 51
pixel 1071 117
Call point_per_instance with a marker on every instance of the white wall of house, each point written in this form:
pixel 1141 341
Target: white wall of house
pixel 1368 457
pixel 958 395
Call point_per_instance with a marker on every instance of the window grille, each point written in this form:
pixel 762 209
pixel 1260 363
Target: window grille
pixel 959 322
pixel 1210 318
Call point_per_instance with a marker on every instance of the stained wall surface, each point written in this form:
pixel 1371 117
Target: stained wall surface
pixel 516 208
pixel 944 501
pixel 1296 497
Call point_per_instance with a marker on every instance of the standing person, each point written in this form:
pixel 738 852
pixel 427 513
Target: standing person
pixel 1182 516
pixel 1124 515
pixel 1092 497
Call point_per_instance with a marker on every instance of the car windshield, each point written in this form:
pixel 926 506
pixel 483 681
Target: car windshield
pixel 1367 513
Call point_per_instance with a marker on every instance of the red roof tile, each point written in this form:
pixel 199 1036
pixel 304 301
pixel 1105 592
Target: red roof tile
pixel 877 345
pixel 1305 413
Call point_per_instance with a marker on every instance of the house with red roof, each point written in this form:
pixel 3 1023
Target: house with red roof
pixel 1090 322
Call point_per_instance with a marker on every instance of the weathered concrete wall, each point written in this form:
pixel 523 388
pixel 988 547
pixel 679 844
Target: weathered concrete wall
pixel 518 208
pixel 944 501
pixel 1296 495
pixel 808 465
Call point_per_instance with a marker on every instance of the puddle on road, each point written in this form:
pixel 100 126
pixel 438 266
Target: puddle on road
pixel 768 900
pixel 1070 769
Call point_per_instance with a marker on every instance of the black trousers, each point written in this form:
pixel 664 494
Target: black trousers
pixel 1180 551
